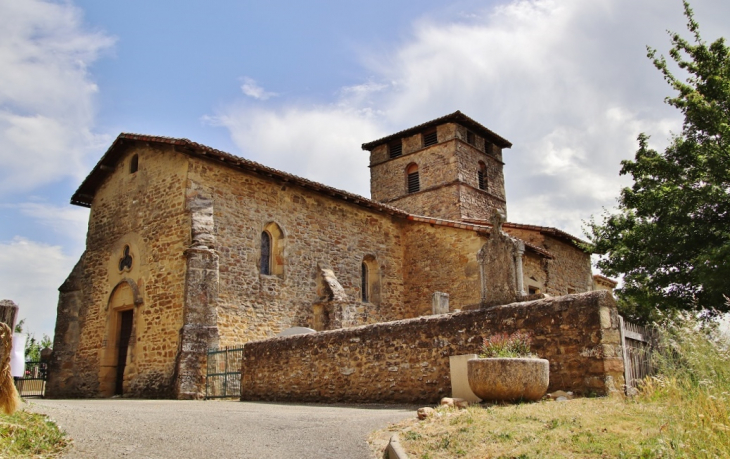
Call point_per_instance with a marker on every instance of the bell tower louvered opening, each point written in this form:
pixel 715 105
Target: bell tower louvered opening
pixel 414 183
pixel 395 149
pixel 430 138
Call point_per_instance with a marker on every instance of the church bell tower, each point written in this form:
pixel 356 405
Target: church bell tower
pixel 449 168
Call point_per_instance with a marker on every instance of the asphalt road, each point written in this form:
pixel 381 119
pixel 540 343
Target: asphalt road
pixel 125 428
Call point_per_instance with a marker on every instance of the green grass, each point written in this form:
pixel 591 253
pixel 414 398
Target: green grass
pixel 581 428
pixel 26 434
pixel 694 383
pixel 682 412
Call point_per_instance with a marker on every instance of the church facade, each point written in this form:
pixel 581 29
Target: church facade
pixel 190 248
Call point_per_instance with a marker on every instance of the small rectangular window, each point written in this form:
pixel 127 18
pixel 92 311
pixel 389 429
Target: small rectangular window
pixel 414 184
pixel 487 147
pixel 134 164
pixel 482 182
pixel 430 138
pixel 471 139
pixel 395 149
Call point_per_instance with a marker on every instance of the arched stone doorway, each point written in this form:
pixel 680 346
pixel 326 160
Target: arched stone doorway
pixel 118 347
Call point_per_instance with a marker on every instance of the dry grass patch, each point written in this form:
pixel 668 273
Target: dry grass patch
pixel 26 434
pixel 580 428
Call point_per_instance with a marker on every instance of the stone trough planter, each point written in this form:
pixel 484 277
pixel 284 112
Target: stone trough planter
pixel 509 379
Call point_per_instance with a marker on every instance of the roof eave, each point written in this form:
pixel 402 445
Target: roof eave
pixel 457 116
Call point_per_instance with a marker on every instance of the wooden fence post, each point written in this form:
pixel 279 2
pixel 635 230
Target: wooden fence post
pixel 8 313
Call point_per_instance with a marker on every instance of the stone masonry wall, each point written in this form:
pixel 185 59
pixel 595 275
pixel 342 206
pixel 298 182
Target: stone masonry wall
pixel 440 259
pixel 445 170
pixel 408 360
pixel 570 270
pixel 439 202
pixel 317 232
pixel 145 211
pixel 475 204
pixel 436 167
pixel 468 158
pixel 534 272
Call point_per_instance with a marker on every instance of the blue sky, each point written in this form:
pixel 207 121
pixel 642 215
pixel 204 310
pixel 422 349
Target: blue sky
pixel 300 85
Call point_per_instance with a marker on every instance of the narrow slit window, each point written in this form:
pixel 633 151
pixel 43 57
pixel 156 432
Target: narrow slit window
pixel 134 164
pixel 414 183
pixel 364 283
pixel 370 280
pixel 482 176
pixel 395 149
pixel 265 253
pixel 430 138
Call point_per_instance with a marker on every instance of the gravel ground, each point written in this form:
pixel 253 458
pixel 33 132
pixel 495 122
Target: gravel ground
pixel 125 428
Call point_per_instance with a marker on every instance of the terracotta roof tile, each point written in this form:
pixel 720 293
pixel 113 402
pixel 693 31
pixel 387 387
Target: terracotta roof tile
pixel 458 117
pixel 85 193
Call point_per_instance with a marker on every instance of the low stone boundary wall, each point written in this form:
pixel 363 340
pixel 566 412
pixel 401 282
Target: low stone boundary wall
pixel 408 360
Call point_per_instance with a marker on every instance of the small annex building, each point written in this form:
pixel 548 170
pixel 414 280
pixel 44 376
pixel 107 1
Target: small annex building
pixel 190 248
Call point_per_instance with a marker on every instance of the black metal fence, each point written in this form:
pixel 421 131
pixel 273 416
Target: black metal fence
pixel 33 382
pixel 223 378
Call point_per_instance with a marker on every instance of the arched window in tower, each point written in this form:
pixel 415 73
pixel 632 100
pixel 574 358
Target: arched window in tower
pixel 482 176
pixel 265 253
pixel 413 181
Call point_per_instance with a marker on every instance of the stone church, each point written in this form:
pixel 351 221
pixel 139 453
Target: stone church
pixel 190 248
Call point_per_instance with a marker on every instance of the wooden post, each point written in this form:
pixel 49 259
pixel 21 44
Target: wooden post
pixel 8 313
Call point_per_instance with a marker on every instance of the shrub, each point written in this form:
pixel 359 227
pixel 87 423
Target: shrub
pixel 510 346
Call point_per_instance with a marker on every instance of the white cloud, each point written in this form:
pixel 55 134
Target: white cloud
pixel 46 94
pixel 252 89
pixel 30 274
pixel 70 223
pixel 321 144
pixel 568 82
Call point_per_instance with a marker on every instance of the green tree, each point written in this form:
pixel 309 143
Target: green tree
pixel 670 238
pixel 33 347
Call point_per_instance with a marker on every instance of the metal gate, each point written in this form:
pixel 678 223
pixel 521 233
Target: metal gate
pixel 33 383
pixel 223 378
pixel 637 343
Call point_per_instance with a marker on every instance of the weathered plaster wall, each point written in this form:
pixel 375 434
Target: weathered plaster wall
pixel 145 211
pixel 408 360
pixel 317 232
